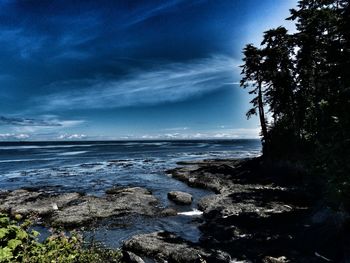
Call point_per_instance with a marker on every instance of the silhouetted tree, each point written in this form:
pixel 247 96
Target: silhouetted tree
pixel 253 77
pixel 303 80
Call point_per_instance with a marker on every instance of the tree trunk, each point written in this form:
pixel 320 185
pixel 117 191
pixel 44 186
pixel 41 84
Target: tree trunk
pixel 262 119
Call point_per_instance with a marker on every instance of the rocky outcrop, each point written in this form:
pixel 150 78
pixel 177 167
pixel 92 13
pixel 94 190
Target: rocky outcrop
pixel 180 198
pixel 255 213
pixel 167 247
pixel 71 209
pixel 208 174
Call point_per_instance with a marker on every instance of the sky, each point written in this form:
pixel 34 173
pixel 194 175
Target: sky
pixel 111 70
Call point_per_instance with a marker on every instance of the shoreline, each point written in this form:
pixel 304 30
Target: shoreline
pixel 256 214
pixel 253 215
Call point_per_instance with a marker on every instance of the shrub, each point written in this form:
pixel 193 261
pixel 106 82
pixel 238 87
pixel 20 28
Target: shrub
pixel 19 243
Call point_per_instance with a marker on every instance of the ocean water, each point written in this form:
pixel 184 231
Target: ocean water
pixel 93 167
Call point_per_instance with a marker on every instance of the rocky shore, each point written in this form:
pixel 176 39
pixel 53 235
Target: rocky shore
pixel 255 214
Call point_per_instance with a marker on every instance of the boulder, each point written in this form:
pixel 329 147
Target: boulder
pixel 180 198
pixel 169 212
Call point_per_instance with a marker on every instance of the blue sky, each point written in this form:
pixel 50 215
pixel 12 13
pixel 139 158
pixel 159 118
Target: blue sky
pixel 97 70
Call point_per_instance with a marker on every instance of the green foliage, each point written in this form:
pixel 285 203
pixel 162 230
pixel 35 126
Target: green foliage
pixel 305 82
pixel 20 244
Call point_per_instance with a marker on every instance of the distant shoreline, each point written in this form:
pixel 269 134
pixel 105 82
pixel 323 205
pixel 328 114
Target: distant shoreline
pixel 133 140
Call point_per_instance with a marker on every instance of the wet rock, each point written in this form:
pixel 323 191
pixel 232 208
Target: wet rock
pixel 269 259
pixel 130 257
pixel 121 189
pixel 27 202
pixel 169 212
pixel 72 209
pixel 180 198
pixel 127 201
pixel 214 175
pixel 165 246
pixel 253 212
pixel 227 205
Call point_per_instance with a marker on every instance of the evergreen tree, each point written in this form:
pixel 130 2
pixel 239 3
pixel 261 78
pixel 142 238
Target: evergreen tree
pixel 253 77
pixel 303 79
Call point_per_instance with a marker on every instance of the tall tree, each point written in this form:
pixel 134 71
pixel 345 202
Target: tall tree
pixel 303 79
pixel 253 77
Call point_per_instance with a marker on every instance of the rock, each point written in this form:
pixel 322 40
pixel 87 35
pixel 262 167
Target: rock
pixel 165 246
pixel 169 212
pixel 227 205
pixel 72 209
pixel 275 260
pixel 325 215
pixel 27 202
pixel 180 197
pixel 209 174
pixel 119 189
pixel 130 257
pixel 127 201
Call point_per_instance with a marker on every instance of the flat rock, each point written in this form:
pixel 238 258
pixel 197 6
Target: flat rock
pixel 167 247
pixel 233 205
pixel 207 174
pixel 76 209
pixel 41 203
pixel 180 198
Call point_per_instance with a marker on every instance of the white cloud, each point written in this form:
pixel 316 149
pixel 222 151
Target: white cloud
pixel 13 136
pixel 44 127
pixel 217 134
pixel 147 13
pixel 71 136
pixel 169 83
pixel 71 123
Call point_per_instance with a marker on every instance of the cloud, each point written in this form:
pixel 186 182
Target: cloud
pixel 176 129
pixel 28 122
pixel 168 83
pixel 239 133
pixel 147 13
pixel 20 41
pixel 46 121
pixel 13 136
pixel 71 136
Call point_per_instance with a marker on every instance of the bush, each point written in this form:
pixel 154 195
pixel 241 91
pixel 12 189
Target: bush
pixel 18 243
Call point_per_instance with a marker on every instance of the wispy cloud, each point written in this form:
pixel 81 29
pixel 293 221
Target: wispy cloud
pixel 148 12
pixel 18 40
pixel 176 129
pixel 46 121
pixel 28 122
pixel 170 83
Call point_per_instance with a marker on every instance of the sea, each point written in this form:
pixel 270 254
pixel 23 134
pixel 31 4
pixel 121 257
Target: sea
pixel 91 167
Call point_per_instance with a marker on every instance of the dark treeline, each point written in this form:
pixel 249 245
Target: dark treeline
pixel 301 87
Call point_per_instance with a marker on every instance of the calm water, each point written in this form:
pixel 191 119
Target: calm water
pixel 92 167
